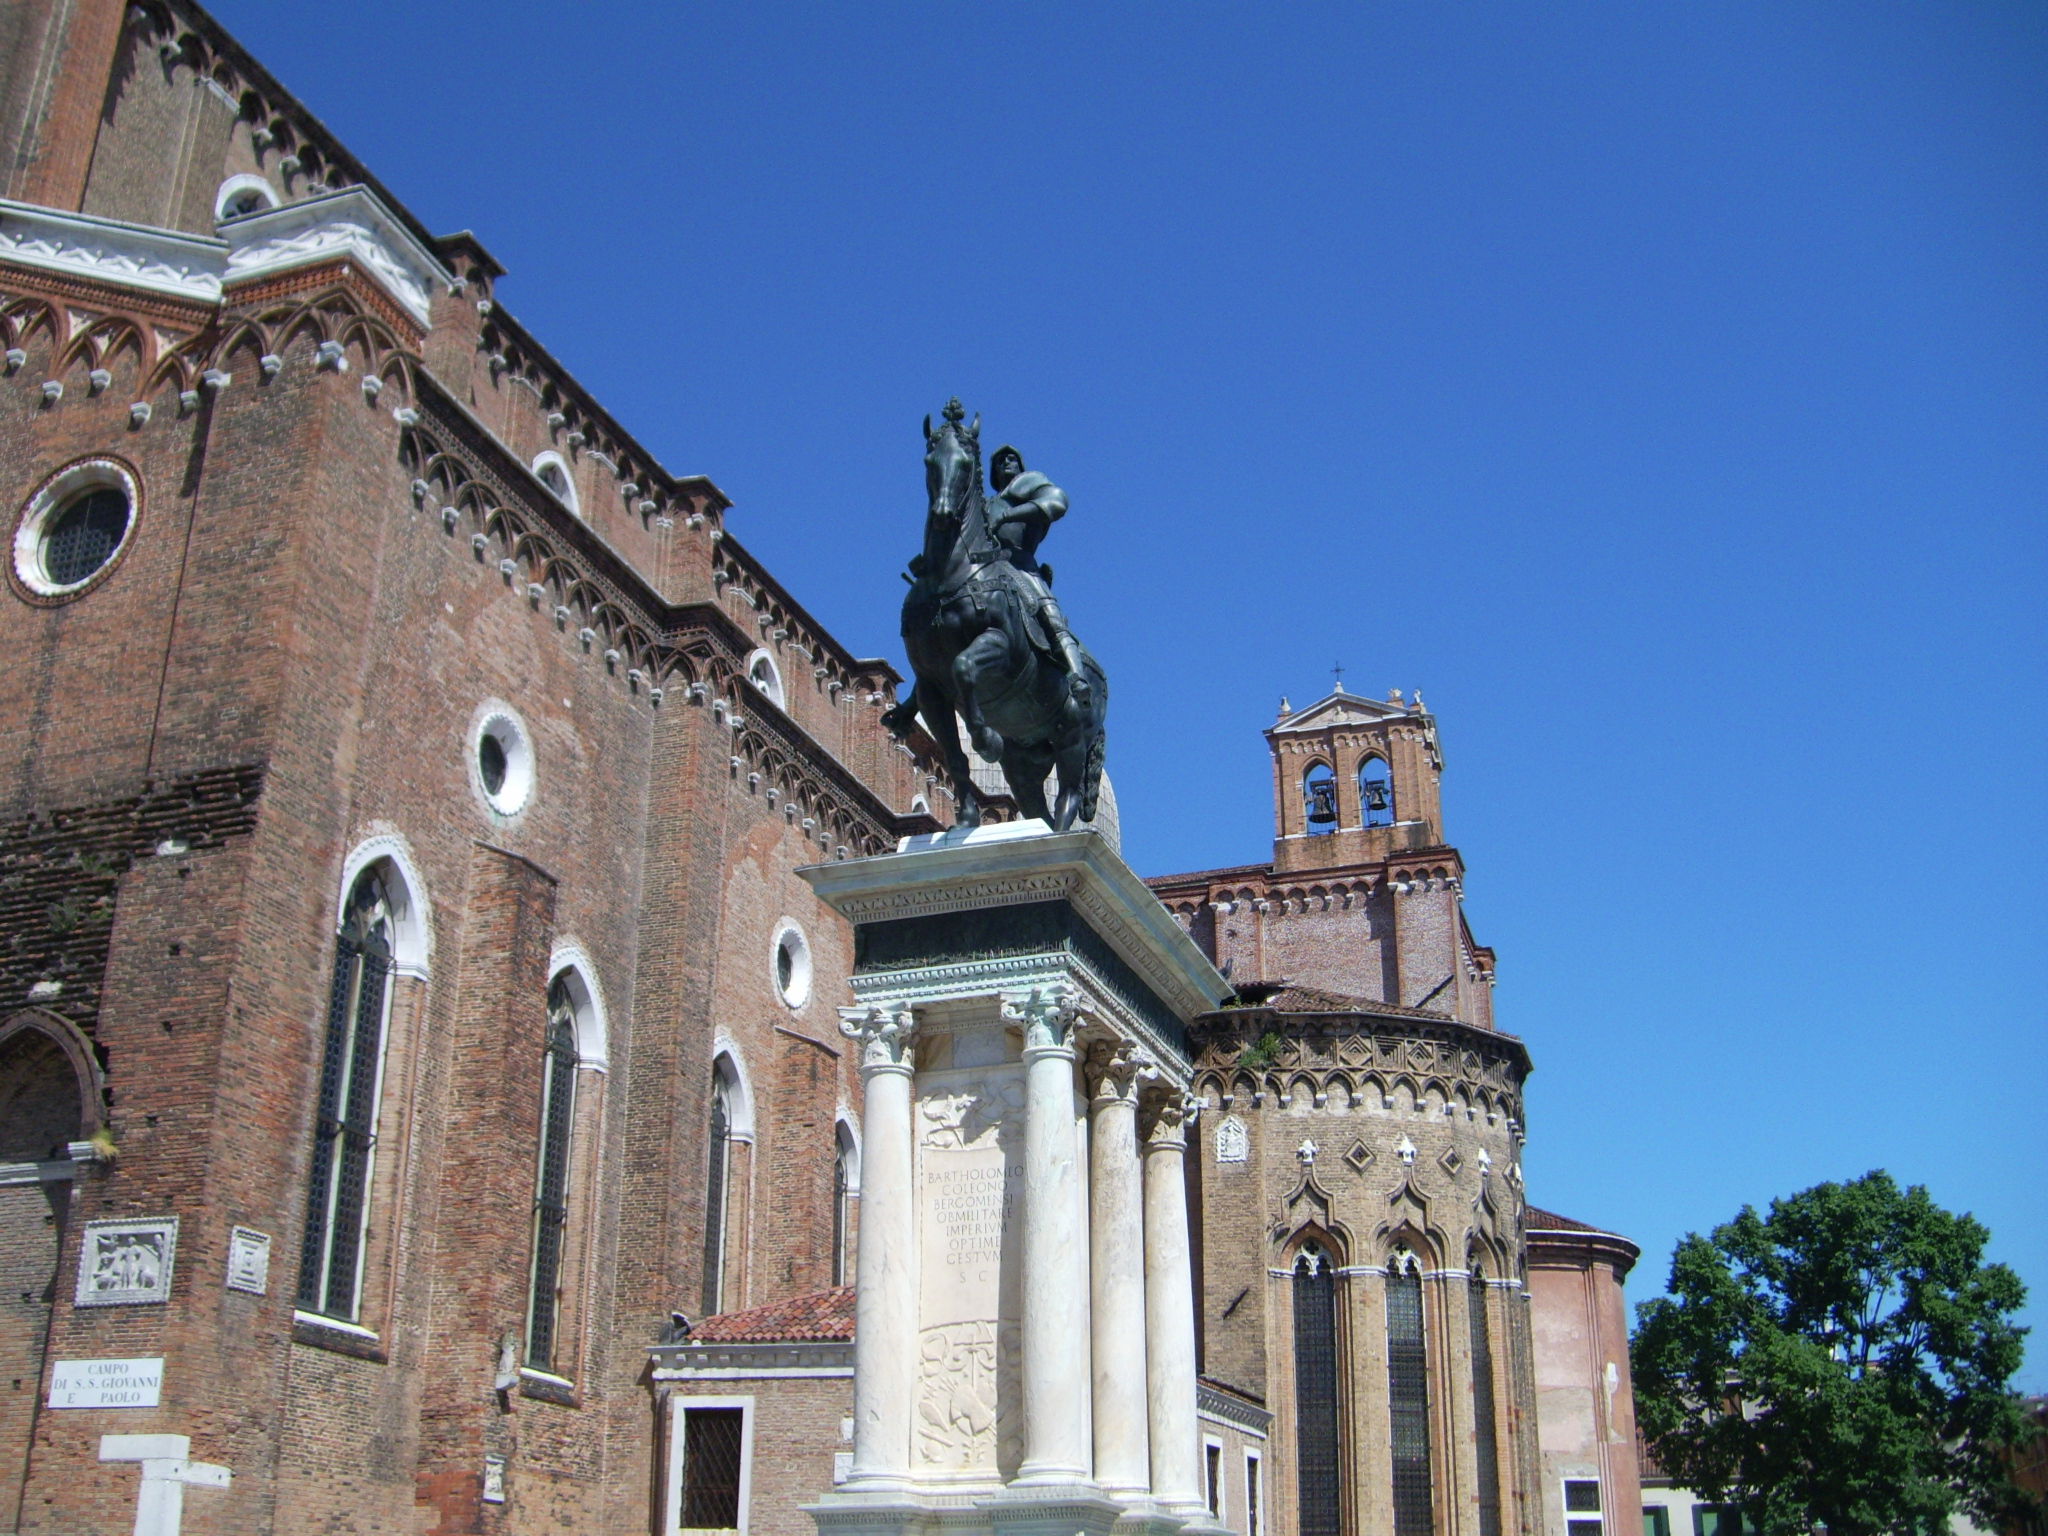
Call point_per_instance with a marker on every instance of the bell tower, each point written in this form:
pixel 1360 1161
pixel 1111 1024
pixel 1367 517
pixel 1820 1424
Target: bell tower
pixel 1355 781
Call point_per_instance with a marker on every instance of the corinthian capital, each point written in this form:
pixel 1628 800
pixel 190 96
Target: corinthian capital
pixel 1116 1070
pixel 884 1037
pixel 1163 1115
pixel 1048 1017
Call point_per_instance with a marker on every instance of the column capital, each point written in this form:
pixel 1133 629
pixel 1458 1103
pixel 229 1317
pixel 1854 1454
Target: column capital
pixel 1163 1114
pixel 1049 1018
pixel 885 1037
pixel 1117 1070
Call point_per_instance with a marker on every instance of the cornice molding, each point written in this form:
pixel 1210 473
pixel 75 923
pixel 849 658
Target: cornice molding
pixel 112 252
pixel 351 224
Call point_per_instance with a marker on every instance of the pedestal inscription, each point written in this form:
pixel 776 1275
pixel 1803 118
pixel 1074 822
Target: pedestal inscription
pixel 970 1171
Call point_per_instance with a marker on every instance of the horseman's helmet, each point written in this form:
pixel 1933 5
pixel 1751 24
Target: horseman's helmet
pixel 995 465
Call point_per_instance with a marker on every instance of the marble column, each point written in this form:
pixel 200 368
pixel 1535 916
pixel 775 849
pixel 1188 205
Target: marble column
pixel 1055 1302
pixel 886 1286
pixel 1170 1307
pixel 1123 1464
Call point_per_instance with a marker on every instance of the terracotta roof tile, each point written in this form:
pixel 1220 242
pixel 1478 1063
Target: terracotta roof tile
pixel 820 1315
pixel 1549 1221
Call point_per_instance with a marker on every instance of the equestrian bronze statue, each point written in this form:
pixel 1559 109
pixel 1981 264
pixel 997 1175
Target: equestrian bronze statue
pixel 988 643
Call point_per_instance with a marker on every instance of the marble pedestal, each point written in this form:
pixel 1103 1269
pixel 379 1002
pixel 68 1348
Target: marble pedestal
pixel 1024 1339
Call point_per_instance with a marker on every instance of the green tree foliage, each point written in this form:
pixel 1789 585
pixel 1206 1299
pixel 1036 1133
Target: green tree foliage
pixel 1841 1361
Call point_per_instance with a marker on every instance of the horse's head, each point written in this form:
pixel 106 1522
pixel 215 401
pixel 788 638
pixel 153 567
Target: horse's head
pixel 952 462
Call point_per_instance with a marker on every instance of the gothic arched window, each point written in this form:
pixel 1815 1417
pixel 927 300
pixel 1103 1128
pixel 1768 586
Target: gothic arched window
pixel 1408 1395
pixel 551 1194
pixel 1318 1450
pixel 1319 799
pixel 842 1202
pixel 1376 792
pixel 717 1178
pixel 1484 1434
pixel 345 1124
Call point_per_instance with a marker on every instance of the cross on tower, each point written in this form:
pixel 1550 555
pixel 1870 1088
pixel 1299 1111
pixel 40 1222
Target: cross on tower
pixel 1338 671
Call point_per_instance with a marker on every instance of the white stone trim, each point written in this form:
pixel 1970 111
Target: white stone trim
pixel 549 459
pixel 1015 978
pixel 52 497
pixel 593 1029
pixel 47 1171
pixel 350 224
pixel 412 930
pixel 234 185
pixel 85 246
pixel 845 1122
pixel 1017 862
pixel 672 1493
pixel 773 691
pixel 1222 1408
pixel 334 1324
pixel 739 1121
pixel 814 1358
pixel 789 931
pixel 494 717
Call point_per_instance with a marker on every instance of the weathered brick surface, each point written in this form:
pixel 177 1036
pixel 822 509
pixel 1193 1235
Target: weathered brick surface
pixel 325 589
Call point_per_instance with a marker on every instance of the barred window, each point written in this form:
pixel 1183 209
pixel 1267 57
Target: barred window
pixel 1482 1410
pixel 551 1195
pixel 1408 1396
pixel 716 1180
pixel 1317 1445
pixel 345 1124
pixel 714 1449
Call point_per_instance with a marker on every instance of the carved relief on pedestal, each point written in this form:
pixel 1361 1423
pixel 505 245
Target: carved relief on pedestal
pixel 967 1411
pixel 957 1121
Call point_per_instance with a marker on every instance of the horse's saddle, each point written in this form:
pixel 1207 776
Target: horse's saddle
pixel 1001 585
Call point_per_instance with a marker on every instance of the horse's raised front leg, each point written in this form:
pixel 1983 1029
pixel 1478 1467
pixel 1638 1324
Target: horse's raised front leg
pixel 984 657
pixel 944 729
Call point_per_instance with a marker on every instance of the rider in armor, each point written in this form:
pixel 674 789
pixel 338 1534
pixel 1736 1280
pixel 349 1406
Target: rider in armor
pixel 1026 505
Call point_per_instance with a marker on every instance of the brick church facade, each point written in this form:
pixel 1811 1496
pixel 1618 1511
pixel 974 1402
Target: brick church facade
pixel 408 1004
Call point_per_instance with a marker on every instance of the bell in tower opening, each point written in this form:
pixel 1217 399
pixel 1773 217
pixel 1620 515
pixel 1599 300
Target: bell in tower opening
pixel 1322 802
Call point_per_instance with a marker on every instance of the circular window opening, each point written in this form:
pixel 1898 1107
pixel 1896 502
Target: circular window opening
pixel 491 764
pixel 83 536
pixel 503 758
pixel 74 528
pixel 792 965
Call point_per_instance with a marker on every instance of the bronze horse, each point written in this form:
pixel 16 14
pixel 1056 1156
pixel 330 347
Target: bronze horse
pixel 969 631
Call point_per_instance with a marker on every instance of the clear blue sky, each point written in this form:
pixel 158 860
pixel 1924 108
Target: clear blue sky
pixel 1663 388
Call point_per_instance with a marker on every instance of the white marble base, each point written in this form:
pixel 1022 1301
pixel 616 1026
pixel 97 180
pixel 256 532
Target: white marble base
pixel 987 1018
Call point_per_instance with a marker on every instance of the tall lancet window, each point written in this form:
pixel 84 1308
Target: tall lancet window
pixel 551 1195
pixel 842 1202
pixel 1485 1445
pixel 1317 1445
pixel 1408 1395
pixel 716 1181
pixel 345 1127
